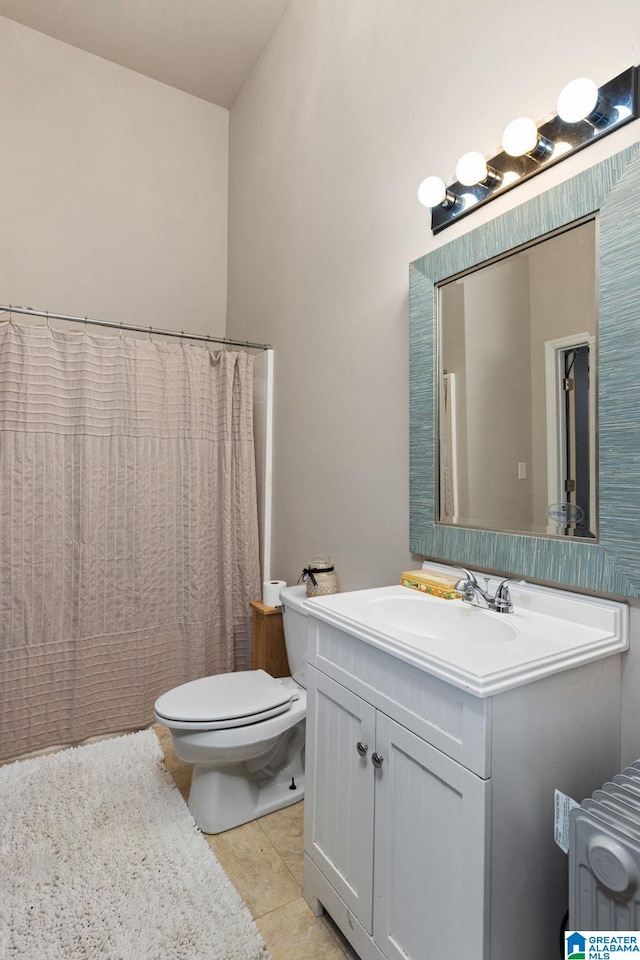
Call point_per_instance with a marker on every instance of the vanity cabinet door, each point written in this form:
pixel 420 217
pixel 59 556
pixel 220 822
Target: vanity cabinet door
pixel 432 845
pixel 339 814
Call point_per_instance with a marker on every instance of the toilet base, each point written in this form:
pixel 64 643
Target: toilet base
pixel 223 798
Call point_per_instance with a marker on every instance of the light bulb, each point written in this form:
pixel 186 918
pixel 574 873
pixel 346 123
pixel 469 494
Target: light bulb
pixel 578 100
pixel 520 137
pixel 471 168
pixel 510 177
pixel 432 192
pixel 561 147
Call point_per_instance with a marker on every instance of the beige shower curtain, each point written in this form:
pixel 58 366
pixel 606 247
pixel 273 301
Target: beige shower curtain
pixel 128 528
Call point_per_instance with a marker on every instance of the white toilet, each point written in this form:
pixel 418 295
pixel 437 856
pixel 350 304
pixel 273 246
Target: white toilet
pixel 244 733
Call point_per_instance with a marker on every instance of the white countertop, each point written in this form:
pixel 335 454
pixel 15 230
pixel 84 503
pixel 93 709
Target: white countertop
pixel 476 649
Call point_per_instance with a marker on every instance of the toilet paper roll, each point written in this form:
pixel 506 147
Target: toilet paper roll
pixel 271 592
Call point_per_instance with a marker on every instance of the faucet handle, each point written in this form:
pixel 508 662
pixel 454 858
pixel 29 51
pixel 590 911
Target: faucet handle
pixel 503 585
pixel 467 585
pixel 502 602
pixel 468 577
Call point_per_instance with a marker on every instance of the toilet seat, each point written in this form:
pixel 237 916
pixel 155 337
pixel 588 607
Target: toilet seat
pixel 234 740
pixel 224 701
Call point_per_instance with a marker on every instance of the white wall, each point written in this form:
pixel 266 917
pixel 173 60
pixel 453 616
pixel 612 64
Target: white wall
pixel 114 190
pixel 351 105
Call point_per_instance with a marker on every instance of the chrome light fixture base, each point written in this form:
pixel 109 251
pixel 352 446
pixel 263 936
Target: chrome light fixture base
pixel 621 97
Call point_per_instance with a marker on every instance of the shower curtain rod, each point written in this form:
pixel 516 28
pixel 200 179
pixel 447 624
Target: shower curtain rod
pixel 128 326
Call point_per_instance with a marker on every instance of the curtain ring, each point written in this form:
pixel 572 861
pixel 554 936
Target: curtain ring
pixel 48 323
pixel 150 329
pixel 85 327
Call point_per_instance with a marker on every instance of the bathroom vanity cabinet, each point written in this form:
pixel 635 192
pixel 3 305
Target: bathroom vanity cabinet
pixel 429 810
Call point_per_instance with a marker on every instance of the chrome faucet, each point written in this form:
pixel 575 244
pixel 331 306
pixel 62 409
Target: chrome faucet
pixel 471 592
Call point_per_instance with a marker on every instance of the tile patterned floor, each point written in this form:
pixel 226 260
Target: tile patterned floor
pixel 263 859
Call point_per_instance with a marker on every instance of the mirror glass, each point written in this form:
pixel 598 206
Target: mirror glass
pixel 517 387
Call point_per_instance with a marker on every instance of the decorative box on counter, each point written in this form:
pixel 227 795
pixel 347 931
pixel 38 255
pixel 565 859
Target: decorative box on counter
pixel 437 584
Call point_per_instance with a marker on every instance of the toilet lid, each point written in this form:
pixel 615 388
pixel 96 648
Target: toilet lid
pixel 229 699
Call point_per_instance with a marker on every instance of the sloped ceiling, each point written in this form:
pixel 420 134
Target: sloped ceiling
pixel 204 47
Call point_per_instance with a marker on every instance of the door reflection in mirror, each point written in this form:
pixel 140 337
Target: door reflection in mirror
pixel 517 411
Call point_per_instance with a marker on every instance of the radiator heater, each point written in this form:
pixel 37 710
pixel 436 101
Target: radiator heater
pixel 604 856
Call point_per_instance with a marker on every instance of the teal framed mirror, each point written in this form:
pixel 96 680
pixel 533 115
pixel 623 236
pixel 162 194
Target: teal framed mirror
pixel 610 190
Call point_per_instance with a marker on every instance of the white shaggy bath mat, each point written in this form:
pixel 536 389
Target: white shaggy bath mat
pixel 100 858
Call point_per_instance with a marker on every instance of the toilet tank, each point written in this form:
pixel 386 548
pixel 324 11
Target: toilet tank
pixel 295 630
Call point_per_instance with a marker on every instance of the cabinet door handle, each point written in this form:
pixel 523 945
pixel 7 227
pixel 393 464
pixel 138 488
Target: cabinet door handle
pixel 376 760
pixel 362 748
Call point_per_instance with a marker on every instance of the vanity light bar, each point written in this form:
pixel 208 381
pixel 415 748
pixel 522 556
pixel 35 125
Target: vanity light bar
pixel 586 113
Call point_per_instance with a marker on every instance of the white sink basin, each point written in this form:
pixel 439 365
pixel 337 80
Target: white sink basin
pixel 477 649
pixel 452 621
